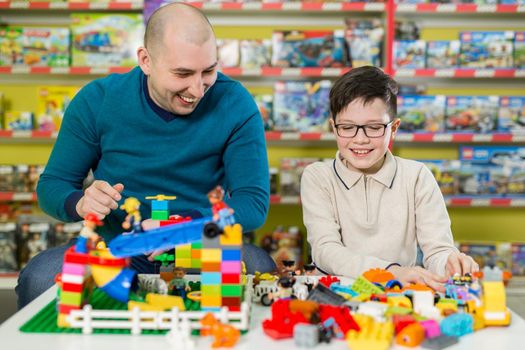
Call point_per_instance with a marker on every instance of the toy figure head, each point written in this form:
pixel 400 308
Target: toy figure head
pixel 309 269
pixel 130 205
pixel 363 106
pixel 179 272
pixel 216 195
pixel 91 220
pixel 285 282
pixel 179 57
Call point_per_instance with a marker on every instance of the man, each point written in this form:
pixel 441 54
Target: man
pixel 173 126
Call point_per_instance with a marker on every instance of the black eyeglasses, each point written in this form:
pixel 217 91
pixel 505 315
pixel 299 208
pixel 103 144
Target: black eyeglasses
pixel 371 130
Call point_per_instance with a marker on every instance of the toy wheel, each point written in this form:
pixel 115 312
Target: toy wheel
pixel 265 300
pixel 211 230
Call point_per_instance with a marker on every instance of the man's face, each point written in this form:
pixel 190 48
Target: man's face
pixel 363 153
pixel 180 72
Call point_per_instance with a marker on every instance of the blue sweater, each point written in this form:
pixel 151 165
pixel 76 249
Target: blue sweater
pixel 113 127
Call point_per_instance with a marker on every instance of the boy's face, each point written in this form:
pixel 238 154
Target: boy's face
pixel 363 153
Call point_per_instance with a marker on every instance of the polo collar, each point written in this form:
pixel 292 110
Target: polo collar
pixel 349 178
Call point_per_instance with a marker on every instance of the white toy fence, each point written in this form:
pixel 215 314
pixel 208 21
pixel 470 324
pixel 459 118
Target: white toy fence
pixel 136 320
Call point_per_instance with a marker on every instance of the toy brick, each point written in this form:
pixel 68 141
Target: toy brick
pixel 74 269
pixel 70 298
pixel 208 278
pixel 195 254
pixel 231 267
pixel 165 302
pixel 66 309
pixel 231 290
pixel 166 222
pixel 211 255
pixel 439 342
pixel 196 245
pixel 231 278
pixel 62 321
pixel 234 308
pixel 75 279
pixel 74 257
pixel 232 235
pixel 231 301
pixel 71 287
pixel 183 262
pixel 210 266
pixel 373 335
pixel 210 300
pixel 183 252
pixel 210 242
pixel 362 286
pixel 210 290
pixel 196 263
pixel 231 255
pixel 159 205
pixel 211 308
pixel 159 215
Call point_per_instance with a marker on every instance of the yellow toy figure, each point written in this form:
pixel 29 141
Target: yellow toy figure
pixel 91 221
pixel 133 219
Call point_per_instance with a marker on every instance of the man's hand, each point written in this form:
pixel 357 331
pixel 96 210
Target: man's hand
pixel 417 274
pixel 100 198
pixel 460 263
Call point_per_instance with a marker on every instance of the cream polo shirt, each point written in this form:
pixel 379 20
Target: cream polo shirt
pixel 356 222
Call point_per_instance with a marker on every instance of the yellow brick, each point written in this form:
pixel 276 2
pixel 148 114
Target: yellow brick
pixel 183 262
pixel 163 302
pixel 62 321
pixel 232 235
pixel 211 300
pixel 211 254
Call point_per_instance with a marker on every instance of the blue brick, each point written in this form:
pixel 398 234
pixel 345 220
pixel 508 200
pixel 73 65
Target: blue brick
pixel 231 255
pixel 210 278
pixel 159 205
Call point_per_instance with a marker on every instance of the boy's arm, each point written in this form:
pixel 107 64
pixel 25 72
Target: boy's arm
pixel 434 234
pixel 324 231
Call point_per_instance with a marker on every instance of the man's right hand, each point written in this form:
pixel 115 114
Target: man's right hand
pixel 99 198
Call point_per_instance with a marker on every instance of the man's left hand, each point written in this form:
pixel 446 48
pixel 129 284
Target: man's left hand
pixel 460 263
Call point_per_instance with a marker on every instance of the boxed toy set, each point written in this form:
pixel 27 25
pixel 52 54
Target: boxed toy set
pixel 442 54
pixel 309 49
pixel 364 39
pixel 8 261
pixel 472 113
pixel 511 116
pixel 301 106
pixel 409 54
pixel 420 113
pixel 488 253
pixel 102 40
pixel 486 49
pixel 291 170
pixel 255 53
pixel 447 174
pixel 228 52
pixel 52 102
pixel 519 50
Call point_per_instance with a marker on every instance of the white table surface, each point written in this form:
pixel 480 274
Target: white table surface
pixel 11 338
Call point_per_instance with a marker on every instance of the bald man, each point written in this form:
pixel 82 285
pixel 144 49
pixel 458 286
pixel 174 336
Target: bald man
pixel 173 125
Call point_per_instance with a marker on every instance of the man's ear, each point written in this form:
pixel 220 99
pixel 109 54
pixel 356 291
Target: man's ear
pixel 144 60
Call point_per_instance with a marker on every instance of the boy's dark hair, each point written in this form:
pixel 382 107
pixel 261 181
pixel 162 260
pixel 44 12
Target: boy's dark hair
pixel 367 83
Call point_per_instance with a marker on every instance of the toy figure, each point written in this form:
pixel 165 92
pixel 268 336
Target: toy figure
pixel 222 214
pixel 91 221
pixel 284 289
pixel 131 206
pixel 289 268
pixel 224 335
pixel 178 285
pixel 309 280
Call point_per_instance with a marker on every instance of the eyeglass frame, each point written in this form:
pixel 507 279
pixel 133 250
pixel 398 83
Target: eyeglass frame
pixel 336 126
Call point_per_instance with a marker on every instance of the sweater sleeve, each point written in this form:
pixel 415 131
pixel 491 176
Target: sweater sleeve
pixel 246 163
pixel 324 231
pixel 76 151
pixel 432 223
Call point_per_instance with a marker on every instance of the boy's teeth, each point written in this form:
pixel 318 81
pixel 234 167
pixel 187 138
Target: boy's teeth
pixel 187 99
pixel 358 151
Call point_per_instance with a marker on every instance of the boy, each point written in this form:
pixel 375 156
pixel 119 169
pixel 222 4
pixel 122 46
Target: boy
pixel 367 208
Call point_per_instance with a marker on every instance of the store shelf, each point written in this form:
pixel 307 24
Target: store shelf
pixel 459 8
pixel 460 138
pixel 306 6
pixel 72 5
pixel 460 73
pixel 17 197
pixel 63 70
pixel 453 202
pixel 285 72
pixel 8 280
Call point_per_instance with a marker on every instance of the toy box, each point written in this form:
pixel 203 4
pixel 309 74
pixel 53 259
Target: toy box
pixel 291 170
pixel 446 173
pixel 486 49
pixel 102 40
pixel 284 244
pixel 493 169
pixel 228 52
pixel 18 120
pixel 409 54
pixel 25 177
pixel 6 178
pixel 10 50
pixel 519 50
pixel 472 113
pixel 265 105
pixel 518 259
pixel 309 49
pixel 31 240
pixel 301 106
pixel 255 53
pixel 487 253
pixel 407 30
pixel 511 114
pixel 421 113
pixel 8 261
pixel 61 233
pixel 442 54
pixel 364 39
pixel 52 102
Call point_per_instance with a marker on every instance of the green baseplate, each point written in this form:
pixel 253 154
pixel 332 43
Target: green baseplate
pixel 45 321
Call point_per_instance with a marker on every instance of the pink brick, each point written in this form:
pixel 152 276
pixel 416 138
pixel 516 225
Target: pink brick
pixel 73 269
pixel 231 267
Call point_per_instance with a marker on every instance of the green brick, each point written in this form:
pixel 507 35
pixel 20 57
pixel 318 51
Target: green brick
pixel 182 253
pixel 231 290
pixel 160 214
pixel 211 290
pixel 196 263
pixel 196 245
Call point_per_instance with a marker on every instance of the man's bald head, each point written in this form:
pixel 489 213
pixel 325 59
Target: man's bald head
pixel 177 19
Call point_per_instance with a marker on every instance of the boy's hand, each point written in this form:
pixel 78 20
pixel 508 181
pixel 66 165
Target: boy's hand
pixel 99 198
pixel 417 274
pixel 460 263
